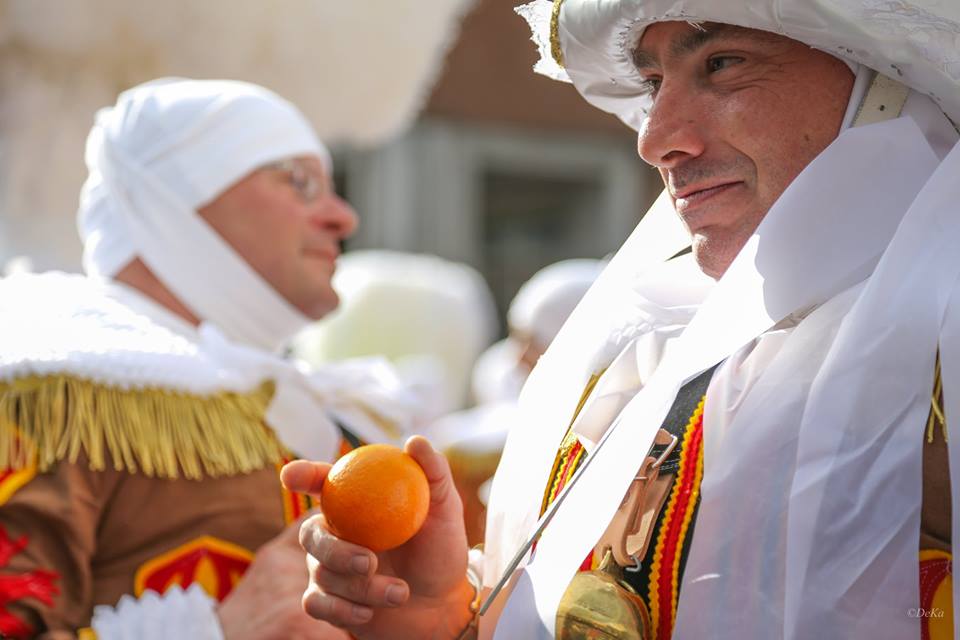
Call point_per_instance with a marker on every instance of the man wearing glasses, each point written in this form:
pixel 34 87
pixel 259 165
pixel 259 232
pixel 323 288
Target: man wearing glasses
pixel 145 406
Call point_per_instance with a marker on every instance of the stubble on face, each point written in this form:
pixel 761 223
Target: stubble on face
pixel 291 244
pixel 736 115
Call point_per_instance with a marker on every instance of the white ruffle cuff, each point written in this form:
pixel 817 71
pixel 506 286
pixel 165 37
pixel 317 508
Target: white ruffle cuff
pixel 176 614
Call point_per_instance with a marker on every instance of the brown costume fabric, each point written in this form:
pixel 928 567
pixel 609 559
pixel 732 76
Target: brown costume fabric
pixel 935 514
pixel 95 529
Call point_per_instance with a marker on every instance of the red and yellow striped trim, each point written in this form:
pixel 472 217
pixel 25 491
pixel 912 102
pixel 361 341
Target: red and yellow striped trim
pixel 568 457
pixel 676 518
pixel 570 464
pixel 216 565
pixel 568 460
pixel 936 595
pixel 295 505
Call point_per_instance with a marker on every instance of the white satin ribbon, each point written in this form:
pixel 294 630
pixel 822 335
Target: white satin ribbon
pixel 854 511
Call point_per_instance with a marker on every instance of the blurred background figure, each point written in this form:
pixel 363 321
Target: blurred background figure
pixel 473 439
pixel 544 303
pixel 497 375
pixel 429 316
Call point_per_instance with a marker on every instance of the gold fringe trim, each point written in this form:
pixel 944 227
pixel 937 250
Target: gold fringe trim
pixel 937 415
pixel 154 431
pixel 555 49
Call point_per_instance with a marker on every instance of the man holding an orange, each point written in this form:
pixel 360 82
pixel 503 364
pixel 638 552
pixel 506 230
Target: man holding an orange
pixel 746 441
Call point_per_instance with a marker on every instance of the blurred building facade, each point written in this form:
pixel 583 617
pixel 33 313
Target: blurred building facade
pixel 505 170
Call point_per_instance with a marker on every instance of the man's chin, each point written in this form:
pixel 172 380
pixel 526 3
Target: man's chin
pixel 319 305
pixel 712 260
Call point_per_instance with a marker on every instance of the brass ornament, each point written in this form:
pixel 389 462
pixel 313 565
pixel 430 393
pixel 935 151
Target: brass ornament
pixel 601 605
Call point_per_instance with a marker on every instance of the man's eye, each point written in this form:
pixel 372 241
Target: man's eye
pixel 304 184
pixel 650 86
pixel 719 63
pixel 299 182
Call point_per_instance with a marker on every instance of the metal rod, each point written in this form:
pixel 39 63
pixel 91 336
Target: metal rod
pixel 544 521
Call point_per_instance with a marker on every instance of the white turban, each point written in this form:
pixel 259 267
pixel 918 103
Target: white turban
pixel 167 148
pixel 547 299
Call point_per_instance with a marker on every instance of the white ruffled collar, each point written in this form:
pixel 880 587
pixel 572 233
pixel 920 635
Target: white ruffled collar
pixel 107 333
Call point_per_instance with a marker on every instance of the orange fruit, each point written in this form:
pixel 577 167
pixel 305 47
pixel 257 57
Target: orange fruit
pixel 376 496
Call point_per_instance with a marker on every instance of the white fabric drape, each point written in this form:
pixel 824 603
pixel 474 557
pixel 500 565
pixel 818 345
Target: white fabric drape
pixel 823 237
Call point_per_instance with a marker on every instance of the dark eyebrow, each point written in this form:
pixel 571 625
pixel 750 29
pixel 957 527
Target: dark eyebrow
pixel 693 41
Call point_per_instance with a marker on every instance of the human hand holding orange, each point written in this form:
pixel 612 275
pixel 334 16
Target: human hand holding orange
pixel 418 589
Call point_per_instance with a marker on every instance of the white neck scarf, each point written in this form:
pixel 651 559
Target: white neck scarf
pixel 826 233
pixel 167 148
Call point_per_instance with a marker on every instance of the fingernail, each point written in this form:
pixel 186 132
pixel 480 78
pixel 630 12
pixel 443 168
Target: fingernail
pixel 396 594
pixel 360 564
pixel 362 613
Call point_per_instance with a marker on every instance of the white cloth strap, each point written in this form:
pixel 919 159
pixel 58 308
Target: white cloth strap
pixel 884 100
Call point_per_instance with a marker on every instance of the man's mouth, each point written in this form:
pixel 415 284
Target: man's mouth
pixel 321 254
pixel 703 190
pixel 696 195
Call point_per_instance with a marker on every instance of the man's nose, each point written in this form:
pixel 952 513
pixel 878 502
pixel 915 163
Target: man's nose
pixel 335 214
pixel 673 130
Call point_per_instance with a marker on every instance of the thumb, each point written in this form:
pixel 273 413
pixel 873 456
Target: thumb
pixel 437 470
pixel 304 476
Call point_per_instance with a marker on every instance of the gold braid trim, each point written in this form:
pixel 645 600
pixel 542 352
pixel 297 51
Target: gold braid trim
pixel 555 50
pixel 155 431
pixel 937 415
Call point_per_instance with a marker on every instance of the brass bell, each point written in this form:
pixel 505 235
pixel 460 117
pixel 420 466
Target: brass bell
pixel 600 605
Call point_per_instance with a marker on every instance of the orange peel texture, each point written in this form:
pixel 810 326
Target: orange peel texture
pixel 376 496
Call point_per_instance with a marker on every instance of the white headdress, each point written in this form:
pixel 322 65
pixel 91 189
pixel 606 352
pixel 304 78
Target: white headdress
pixel 167 148
pixel 547 299
pixel 589 43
